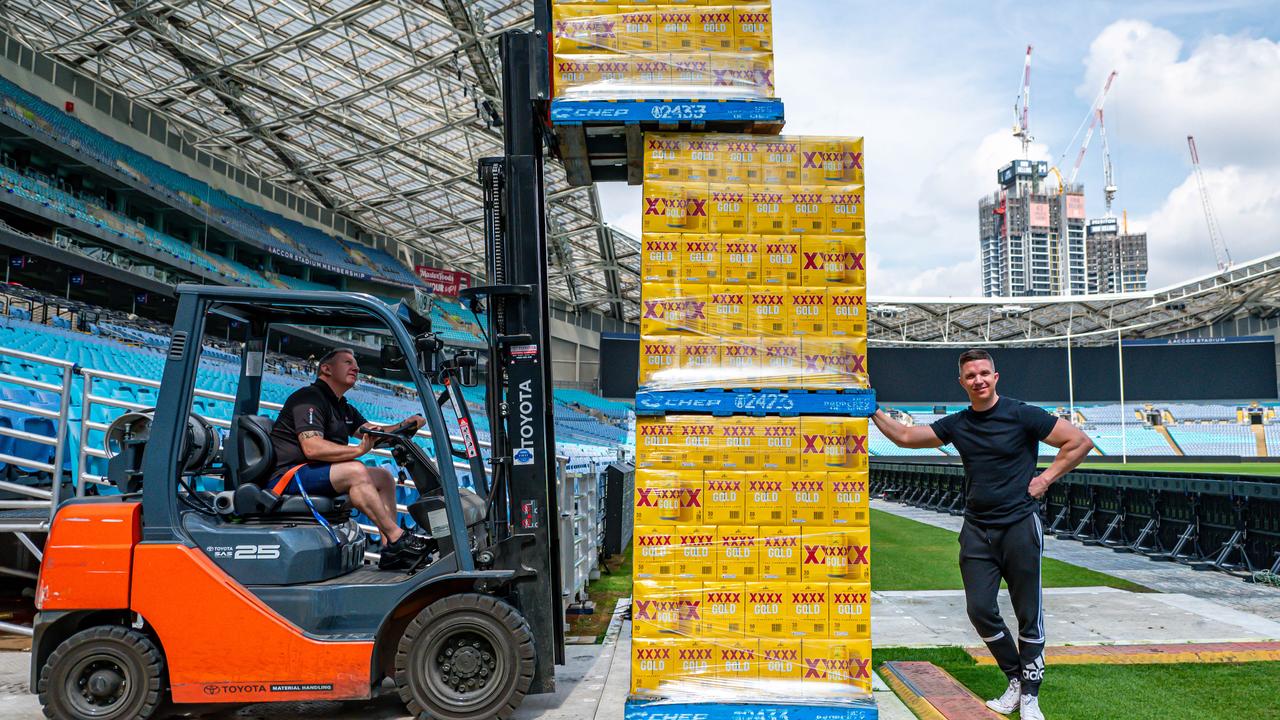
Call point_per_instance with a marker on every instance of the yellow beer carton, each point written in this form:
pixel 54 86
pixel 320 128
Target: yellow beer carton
pixel 780 164
pixel 584 28
pixel 637 29
pixel 574 71
pixel 849 500
pixel 804 207
pixel 807 310
pixel 738 555
pixel 662 309
pixel 781 365
pixel 692 308
pixel 823 260
pixel 780 553
pixel 833 443
pixel 670 608
pixel 781 261
pixel 766 503
pixel 807 614
pixel 740 362
pixel 690 68
pixel 723 610
pixel 727 314
pixel 674 206
pixel 767 209
pixel 753 28
pixel 847 311
pixel 652 661
pixel 770 315
pixel 807 497
pixel 699 362
pixel 830 160
pixel 698 437
pixel 653 70
pixel 844 211
pixel 765 612
pixel 728 213
pixel 695 552
pixel 843 662
pixel 713 27
pixel 849 610
pixel 668 497
pixel 742 160
pixel 722 497
pixel 660 261
pixel 706 160
pixel 660 361
pixel 781 437
pixel 675 31
pixel 655 555
pixel 855 261
pixel 657 445
pixel 666 156
pixel 694 660
pixel 699 258
pixel 836 553
pixel 835 363
pixel 740 259
pixel 741 439
pixel 780 659
pixel 736 663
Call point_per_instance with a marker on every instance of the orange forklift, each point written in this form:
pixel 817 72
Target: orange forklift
pixel 172 593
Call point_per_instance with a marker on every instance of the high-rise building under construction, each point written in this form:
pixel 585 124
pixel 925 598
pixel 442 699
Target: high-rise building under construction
pixel 1117 261
pixel 1032 234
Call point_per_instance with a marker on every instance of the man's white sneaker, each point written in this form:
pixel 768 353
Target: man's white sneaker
pixel 1008 702
pixel 1030 708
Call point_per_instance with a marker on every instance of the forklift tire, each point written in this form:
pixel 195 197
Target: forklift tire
pixel 465 657
pixel 103 673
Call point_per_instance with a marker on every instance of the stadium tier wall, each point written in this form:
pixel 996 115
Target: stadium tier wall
pixel 1242 370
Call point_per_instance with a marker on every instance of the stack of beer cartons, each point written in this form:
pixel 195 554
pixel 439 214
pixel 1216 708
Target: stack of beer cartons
pixel 610 50
pixel 752 546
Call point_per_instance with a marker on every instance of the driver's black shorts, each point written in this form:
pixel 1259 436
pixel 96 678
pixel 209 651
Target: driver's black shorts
pixel 312 476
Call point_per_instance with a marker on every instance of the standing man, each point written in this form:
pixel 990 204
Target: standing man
pixel 310 439
pixel 998 440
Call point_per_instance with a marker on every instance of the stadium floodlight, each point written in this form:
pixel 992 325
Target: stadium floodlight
pixel 1011 311
pixel 889 312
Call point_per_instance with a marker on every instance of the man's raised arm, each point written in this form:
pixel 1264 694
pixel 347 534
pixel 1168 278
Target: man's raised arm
pixel 915 436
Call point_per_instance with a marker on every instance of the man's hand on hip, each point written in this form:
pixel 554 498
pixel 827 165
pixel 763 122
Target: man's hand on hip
pixel 1039 486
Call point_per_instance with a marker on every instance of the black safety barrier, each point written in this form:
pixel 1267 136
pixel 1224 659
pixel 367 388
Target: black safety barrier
pixel 1229 523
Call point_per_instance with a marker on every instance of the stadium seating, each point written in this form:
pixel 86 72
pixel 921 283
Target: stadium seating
pixel 279 235
pixel 1215 439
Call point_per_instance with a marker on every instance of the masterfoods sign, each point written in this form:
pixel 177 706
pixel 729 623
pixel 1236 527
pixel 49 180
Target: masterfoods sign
pixel 443 282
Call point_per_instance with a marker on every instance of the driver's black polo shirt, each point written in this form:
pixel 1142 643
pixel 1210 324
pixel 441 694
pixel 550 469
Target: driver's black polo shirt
pixel 313 407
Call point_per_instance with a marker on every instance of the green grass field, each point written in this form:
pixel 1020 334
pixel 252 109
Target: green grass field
pixel 1090 692
pixel 907 555
pixel 1244 468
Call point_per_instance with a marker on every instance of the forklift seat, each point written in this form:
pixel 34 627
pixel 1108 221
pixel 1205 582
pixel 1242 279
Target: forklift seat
pixel 251 458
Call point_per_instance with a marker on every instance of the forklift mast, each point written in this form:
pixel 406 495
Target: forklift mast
pixel 518 394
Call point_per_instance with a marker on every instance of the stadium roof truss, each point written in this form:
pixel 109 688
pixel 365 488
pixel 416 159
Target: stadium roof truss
pixel 377 109
pixel 1252 287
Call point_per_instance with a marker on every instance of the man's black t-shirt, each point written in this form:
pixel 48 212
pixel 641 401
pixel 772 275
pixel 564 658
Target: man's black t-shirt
pixel 314 407
pixel 999 447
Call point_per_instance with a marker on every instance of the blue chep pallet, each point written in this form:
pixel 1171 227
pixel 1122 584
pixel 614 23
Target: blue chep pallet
pixel 643 710
pixel 859 403
pixel 621 112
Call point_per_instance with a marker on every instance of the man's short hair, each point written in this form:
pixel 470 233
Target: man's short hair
pixel 976 354
pixel 329 356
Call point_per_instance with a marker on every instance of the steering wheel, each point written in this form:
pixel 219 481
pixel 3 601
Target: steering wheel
pixel 384 437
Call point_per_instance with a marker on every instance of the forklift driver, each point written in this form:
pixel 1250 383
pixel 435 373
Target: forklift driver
pixel 310 440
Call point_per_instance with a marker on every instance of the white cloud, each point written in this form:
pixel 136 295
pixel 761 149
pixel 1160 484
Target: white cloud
pixel 1247 205
pixel 1225 91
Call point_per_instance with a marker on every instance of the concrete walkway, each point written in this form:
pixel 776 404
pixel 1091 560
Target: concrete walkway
pixel 1163 577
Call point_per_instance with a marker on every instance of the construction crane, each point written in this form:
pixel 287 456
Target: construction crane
pixel 1095 117
pixel 1108 174
pixel 1021 108
pixel 1220 252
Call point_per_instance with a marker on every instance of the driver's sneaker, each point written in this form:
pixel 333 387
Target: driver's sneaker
pixel 404 553
pixel 1008 702
pixel 1030 708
